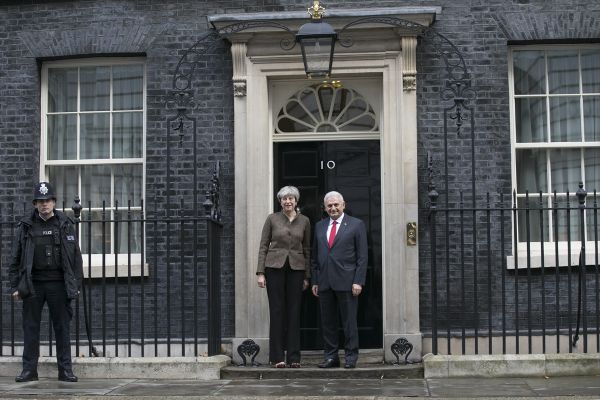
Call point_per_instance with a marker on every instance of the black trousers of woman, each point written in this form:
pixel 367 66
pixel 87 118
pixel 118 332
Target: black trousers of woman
pixel 284 289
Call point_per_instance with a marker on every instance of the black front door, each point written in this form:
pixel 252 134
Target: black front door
pixel 353 169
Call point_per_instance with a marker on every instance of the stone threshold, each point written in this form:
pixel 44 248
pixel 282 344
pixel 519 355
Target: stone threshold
pixel 311 371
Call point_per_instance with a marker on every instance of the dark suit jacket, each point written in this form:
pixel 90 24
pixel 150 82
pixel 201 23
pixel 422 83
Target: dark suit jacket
pixel 282 239
pixel 346 262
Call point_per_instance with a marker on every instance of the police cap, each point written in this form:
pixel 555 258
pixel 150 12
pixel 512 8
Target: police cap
pixel 44 191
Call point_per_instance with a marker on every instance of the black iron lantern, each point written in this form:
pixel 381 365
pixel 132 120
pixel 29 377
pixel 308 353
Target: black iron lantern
pixel 317 42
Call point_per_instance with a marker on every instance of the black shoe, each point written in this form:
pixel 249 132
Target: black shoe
pixel 67 376
pixel 27 376
pixel 349 365
pixel 329 363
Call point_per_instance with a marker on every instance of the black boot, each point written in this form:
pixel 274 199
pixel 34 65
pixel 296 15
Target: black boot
pixel 27 376
pixel 66 375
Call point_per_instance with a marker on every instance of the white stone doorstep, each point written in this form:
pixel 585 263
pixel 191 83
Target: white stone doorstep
pixel 200 368
pixel 511 365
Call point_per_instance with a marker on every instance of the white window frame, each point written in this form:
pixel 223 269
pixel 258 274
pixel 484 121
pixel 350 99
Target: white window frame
pixel 98 262
pixel 533 258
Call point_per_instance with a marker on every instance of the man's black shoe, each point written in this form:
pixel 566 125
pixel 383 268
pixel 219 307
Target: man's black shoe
pixel 67 376
pixel 329 363
pixel 349 365
pixel 27 376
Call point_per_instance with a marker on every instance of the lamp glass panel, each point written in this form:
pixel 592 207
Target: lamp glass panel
pixel 318 52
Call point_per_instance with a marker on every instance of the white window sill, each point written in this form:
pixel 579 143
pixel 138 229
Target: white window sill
pixel 122 271
pixel 550 258
pixel 122 268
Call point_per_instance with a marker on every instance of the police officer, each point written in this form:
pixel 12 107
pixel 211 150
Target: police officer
pixel 46 267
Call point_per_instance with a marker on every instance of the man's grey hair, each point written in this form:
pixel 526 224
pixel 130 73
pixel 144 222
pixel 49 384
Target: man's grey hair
pixel 289 191
pixel 331 194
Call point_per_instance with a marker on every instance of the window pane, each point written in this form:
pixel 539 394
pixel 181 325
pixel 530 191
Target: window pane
pixel 128 185
pixel 309 99
pixel 62 137
pixel 531 171
pixel 567 221
pixel 565 119
pixel 127 135
pixel 531 123
pixel 563 71
pixel 357 116
pixel 529 218
pixel 592 170
pixel 92 222
pixel 129 232
pixel 590 71
pixel 95 88
pixel 565 169
pixel 65 182
pixel 591 118
pixel 128 87
pixel 529 72
pixel 62 90
pixel 95 135
pixel 95 185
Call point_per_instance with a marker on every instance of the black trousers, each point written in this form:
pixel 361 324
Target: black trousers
pixel 331 303
pixel 284 289
pixel 55 295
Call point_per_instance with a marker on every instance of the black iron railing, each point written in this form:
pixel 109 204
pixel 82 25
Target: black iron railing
pixel 512 276
pixel 152 282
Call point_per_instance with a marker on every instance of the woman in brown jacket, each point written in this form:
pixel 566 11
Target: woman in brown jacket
pixel 284 269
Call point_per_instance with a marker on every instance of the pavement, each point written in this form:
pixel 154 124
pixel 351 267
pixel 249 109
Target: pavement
pixel 573 387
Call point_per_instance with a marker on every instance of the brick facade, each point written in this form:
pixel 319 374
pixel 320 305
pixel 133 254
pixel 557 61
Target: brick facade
pixel 32 32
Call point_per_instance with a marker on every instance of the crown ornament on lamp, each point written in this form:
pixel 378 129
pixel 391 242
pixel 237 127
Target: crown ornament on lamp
pixel 316 11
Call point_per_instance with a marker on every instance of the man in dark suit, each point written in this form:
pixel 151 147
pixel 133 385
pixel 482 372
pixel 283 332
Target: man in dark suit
pixel 339 267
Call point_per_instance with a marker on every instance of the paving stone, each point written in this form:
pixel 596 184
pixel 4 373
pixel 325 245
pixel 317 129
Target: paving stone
pixel 56 387
pixel 473 388
pixel 566 386
pixel 273 387
pixel 170 388
pixel 371 387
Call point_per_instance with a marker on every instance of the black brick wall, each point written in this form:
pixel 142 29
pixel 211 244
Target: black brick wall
pixel 34 31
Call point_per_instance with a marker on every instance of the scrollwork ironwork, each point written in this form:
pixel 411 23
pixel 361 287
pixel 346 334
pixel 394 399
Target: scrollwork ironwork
pixel 251 349
pixel 400 347
pixel 458 81
pixel 287 43
pixel 345 39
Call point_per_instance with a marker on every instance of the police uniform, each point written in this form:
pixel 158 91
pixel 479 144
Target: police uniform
pixel 46 268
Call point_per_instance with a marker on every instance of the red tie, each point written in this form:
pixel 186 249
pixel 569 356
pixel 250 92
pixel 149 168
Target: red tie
pixel 332 234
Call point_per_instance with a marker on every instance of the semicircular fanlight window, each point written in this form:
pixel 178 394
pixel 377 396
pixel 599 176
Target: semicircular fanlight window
pixel 324 109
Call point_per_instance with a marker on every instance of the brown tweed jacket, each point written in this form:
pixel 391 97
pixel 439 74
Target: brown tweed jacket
pixel 282 239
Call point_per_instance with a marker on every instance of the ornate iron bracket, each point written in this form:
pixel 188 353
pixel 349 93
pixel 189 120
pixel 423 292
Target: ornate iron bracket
pixel 400 347
pixel 432 194
pixel 248 348
pixel 457 88
pixel 212 207
pixel 181 97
